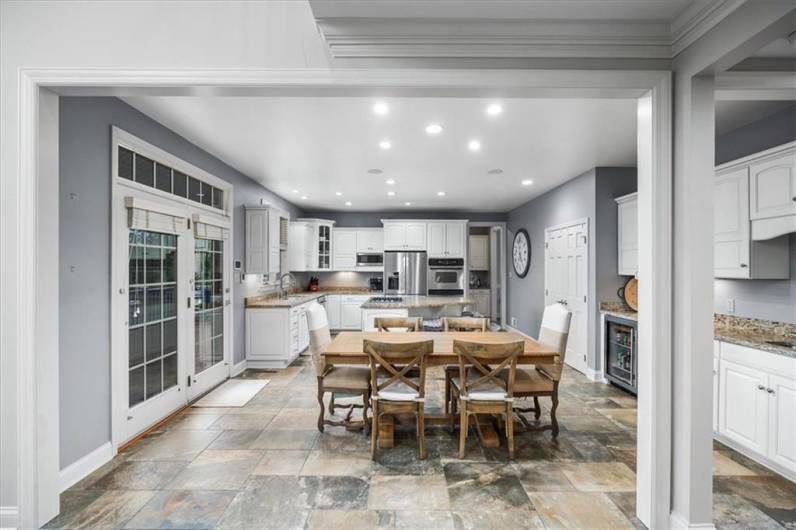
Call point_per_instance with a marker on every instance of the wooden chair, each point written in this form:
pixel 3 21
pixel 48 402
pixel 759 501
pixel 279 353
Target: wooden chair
pixel 481 388
pixel 459 324
pixel 394 391
pixel 393 324
pixel 335 379
pixel 543 381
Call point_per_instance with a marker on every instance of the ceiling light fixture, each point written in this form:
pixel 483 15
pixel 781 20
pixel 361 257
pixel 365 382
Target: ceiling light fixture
pixel 375 171
pixel 339 193
pixel 295 191
pixel 391 193
pixel 381 109
pixel 474 145
pixel 496 171
pixel 407 204
pixel 441 194
pixel 433 128
pixel 389 182
pixel 348 203
pixel 494 109
pixel 526 182
pixel 303 197
pixel 385 144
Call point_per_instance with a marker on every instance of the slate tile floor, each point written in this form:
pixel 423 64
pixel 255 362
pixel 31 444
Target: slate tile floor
pixel 266 466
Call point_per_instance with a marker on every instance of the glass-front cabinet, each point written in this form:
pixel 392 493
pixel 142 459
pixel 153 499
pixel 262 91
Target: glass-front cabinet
pixel 318 234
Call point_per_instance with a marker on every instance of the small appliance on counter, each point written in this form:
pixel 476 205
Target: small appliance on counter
pixel 620 352
pixel 376 284
pixel 314 284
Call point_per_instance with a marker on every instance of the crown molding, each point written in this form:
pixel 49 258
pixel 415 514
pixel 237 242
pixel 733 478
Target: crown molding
pixel 697 19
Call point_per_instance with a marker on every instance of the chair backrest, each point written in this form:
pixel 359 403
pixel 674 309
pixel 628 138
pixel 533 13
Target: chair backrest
pixel 320 336
pixel 465 324
pixel 554 333
pixel 486 363
pixel 398 324
pixel 397 360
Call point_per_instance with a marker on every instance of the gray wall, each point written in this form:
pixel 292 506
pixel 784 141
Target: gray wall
pixel 589 195
pixel 85 210
pixel 764 299
pixel 370 219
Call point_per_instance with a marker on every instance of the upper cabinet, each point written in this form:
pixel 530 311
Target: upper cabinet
pixel 479 253
pixel 404 235
pixel 370 240
pixel 754 209
pixel 265 239
pixel 345 249
pixel 315 238
pixel 627 240
pixel 446 239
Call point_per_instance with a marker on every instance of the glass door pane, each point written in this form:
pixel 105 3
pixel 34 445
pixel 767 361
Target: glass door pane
pixel 208 303
pixel 152 318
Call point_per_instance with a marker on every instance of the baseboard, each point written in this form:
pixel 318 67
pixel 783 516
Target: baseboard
pixel 80 469
pixel 678 522
pixel 238 368
pixel 596 376
pixel 515 330
pixel 763 461
pixel 8 517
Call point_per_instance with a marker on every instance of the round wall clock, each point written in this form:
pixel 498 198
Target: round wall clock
pixel 521 252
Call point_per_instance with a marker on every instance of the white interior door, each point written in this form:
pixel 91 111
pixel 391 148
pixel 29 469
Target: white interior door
pixel 566 281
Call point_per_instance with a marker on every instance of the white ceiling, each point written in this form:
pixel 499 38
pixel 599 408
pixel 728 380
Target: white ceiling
pixel 319 146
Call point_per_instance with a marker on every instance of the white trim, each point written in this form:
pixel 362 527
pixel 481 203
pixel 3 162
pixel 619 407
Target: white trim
pixel 504 272
pixel 595 375
pixel 760 459
pixel 697 19
pixel 678 522
pixel 8 517
pixel 80 469
pixel 755 86
pixel 238 369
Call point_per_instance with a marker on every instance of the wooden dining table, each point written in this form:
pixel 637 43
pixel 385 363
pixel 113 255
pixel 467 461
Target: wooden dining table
pixel 347 349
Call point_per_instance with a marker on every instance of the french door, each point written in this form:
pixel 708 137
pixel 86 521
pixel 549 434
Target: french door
pixel 566 282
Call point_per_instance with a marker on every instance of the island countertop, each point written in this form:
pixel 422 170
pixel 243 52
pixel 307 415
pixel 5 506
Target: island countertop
pixel 419 302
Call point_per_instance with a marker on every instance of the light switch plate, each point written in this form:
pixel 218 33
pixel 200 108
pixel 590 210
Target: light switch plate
pixel 514 322
pixel 731 305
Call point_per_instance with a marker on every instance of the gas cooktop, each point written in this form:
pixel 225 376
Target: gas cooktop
pixel 387 299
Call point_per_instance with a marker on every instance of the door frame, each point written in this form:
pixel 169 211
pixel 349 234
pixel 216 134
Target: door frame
pixel 590 313
pixel 503 271
pixel 37 405
pixel 118 308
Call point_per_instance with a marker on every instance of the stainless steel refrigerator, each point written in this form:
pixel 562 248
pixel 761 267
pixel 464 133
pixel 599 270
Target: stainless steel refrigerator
pixel 405 272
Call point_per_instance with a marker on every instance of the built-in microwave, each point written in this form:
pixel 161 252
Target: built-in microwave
pixel 370 259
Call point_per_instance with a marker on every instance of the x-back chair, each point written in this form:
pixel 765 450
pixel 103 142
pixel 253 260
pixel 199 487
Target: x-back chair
pixel 474 324
pixel 335 379
pixel 485 384
pixel 398 324
pixel 394 389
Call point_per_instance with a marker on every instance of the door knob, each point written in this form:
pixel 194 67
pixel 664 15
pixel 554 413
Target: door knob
pixel 761 387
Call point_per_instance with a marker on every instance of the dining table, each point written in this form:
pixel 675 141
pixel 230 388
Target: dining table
pixel 346 348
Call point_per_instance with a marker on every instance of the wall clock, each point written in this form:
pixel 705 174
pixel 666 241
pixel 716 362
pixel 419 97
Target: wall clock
pixel 521 252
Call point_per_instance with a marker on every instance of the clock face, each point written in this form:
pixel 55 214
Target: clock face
pixel 521 253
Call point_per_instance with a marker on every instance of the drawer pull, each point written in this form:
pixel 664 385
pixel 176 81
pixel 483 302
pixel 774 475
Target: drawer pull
pixel 761 387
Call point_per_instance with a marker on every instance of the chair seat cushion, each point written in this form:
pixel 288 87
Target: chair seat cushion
pixel 487 391
pixel 529 381
pixel 398 391
pixel 349 377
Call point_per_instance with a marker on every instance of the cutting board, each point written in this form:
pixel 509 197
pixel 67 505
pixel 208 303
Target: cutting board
pixel 631 293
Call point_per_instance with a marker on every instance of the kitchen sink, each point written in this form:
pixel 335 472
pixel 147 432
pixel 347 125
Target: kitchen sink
pixel 785 343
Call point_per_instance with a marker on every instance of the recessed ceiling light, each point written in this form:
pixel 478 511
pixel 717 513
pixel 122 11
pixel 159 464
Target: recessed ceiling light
pixel 385 144
pixel 295 191
pixel 494 109
pixel 434 128
pixel 381 109
pixel 407 204
pixel 391 193
pixel 527 182
pixel 348 203
pixel 375 171
pixel 473 145
pixel 441 194
pixel 389 182
pixel 303 197
pixel 339 193
pixel 496 171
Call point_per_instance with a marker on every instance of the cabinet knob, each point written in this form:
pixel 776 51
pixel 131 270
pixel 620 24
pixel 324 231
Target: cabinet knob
pixel 761 387
pixel 794 199
pixel 770 390
pixel 744 265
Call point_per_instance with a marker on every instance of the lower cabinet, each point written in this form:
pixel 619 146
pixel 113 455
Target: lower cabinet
pixel 275 336
pixel 482 301
pixel 333 310
pixel 351 311
pixel 757 405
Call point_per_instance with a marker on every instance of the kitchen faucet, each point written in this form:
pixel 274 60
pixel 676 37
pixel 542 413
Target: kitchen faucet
pixel 281 291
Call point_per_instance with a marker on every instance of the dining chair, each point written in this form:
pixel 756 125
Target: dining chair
pixel 335 379
pixel 481 388
pixel 543 380
pixel 393 324
pixel 459 324
pixel 394 389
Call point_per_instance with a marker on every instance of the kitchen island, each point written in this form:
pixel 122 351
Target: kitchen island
pixel 423 306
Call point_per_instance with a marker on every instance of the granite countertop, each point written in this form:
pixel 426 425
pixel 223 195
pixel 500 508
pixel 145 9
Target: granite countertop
pixel 749 332
pixel 301 297
pixel 419 301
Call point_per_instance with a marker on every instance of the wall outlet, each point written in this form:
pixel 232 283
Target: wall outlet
pixel 514 322
pixel 730 305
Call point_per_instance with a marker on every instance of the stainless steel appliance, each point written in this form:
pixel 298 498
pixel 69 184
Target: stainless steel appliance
pixel 405 272
pixel 620 352
pixel 446 276
pixel 376 284
pixel 370 259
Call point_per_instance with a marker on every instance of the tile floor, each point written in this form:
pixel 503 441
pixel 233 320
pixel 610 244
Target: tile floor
pixel 266 466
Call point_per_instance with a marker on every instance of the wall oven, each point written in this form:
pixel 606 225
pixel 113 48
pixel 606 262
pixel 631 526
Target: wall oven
pixel 446 276
pixel 620 352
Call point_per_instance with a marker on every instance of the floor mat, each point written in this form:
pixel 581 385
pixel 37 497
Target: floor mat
pixel 233 393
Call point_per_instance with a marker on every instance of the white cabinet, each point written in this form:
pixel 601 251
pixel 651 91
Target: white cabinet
pixel 345 249
pixel 479 253
pixel 299 246
pixel 263 248
pixel 333 310
pixel 351 311
pixel 481 297
pixel 782 421
pixel 404 235
pixel 743 406
pixel 370 240
pixel 715 394
pixel 627 240
pixel 275 336
pixel 315 236
pixel 773 186
pixel 369 316
pixel 446 239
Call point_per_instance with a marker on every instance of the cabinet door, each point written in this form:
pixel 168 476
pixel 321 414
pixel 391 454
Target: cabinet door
pixel 333 311
pixel 415 236
pixel 377 240
pixel 715 395
pixel 304 331
pixel 773 186
pixel 436 240
pixel 479 253
pixel 350 315
pixel 743 407
pixel 370 241
pixel 267 334
pixel 345 248
pixel 273 242
pixel 394 236
pixel 782 421
pixel 731 225
pixel 454 240
pixel 628 238
pixel 257 241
